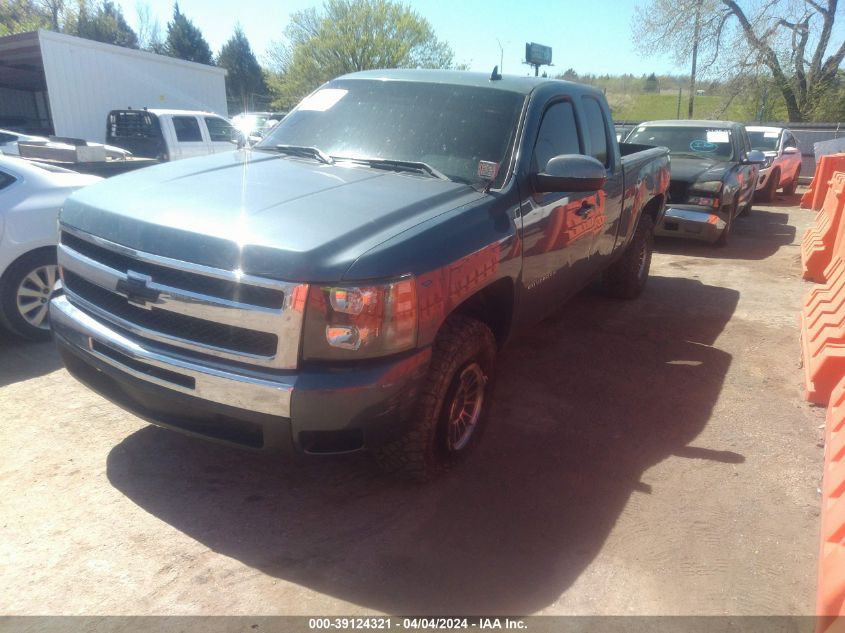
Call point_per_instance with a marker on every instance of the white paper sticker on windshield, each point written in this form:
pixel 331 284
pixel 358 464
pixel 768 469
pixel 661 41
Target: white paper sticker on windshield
pixel 718 136
pixel 770 134
pixel 322 100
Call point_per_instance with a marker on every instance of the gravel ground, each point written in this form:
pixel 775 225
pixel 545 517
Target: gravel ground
pixel 645 457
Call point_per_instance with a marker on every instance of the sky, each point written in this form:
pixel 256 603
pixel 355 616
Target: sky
pixel 591 38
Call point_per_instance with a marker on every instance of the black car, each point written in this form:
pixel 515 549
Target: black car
pixel 714 175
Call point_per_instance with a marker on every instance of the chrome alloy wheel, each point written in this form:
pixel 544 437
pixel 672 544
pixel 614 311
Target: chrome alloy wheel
pixel 33 295
pixel 465 407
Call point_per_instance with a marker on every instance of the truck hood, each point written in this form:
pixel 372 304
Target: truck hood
pixel 263 214
pixel 690 170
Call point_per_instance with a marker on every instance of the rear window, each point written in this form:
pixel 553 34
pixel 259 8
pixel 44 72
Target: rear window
pixel 133 124
pixel 187 129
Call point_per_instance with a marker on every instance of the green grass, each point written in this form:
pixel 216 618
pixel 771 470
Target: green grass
pixel 644 107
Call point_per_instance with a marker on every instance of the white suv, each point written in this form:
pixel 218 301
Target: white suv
pixel 783 160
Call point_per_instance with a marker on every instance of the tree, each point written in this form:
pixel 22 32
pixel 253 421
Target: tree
pixel 104 23
pixel 651 84
pixel 352 35
pixel 21 16
pixel 789 38
pixel 569 75
pixel 244 77
pixel 149 30
pixel 185 41
pixel 801 72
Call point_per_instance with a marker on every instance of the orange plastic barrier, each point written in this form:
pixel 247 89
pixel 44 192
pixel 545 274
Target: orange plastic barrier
pixel 830 595
pixel 817 245
pixel 823 317
pixel 815 195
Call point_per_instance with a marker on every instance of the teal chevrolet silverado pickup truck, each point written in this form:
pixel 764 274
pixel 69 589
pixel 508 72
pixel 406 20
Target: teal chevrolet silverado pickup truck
pixel 346 283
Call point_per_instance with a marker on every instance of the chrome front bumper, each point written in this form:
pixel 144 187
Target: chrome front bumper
pixel 691 222
pixel 244 391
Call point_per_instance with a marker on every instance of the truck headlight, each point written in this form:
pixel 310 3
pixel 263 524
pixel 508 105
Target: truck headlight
pixel 360 321
pixel 705 194
pixel 704 201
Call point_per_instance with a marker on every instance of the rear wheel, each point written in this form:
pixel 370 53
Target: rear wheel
pixel 453 404
pixel 25 294
pixel 627 277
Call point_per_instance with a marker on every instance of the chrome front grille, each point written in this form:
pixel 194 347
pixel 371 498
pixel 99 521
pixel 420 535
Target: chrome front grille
pixel 203 311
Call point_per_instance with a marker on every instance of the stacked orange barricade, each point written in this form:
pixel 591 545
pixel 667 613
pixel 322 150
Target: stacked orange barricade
pixel 825 168
pixel 823 353
pixel 818 244
pixel 830 598
pixel 823 311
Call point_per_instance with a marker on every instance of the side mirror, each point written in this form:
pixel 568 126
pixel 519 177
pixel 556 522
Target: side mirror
pixel 755 157
pixel 238 140
pixel 791 150
pixel 571 172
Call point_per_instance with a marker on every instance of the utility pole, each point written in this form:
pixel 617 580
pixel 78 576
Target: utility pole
pixel 679 101
pixel 695 37
pixel 501 57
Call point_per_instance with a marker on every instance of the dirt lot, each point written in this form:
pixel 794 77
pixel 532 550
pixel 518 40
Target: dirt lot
pixel 647 457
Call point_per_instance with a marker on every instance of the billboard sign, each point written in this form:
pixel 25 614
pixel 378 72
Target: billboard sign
pixel 537 54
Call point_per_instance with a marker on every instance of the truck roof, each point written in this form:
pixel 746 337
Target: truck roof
pixel 511 83
pixel 690 123
pixel 160 111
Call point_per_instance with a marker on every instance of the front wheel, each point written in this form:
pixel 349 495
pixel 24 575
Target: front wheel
pixel 767 193
pixel 790 187
pixel 453 403
pixel 25 294
pixel 725 235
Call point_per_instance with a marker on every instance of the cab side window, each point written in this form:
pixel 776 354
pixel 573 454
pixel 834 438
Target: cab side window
pixel 219 130
pixel 789 141
pixel 187 129
pixel 558 134
pixel 596 130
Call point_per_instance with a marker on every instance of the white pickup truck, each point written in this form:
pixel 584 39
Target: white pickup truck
pixel 167 135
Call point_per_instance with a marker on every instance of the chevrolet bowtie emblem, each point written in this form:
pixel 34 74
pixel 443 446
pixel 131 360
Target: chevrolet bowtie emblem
pixel 137 290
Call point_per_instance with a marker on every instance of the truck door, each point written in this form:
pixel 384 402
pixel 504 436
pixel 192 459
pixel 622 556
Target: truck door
pixel 605 219
pixel 556 227
pixel 189 139
pixel 221 135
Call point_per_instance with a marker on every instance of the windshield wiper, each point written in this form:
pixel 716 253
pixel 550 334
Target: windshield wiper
pixel 400 165
pixel 304 150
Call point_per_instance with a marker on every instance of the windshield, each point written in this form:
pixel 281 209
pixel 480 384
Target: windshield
pixel 764 141
pixel 453 129
pixel 700 142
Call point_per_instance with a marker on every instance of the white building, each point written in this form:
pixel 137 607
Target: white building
pixel 63 85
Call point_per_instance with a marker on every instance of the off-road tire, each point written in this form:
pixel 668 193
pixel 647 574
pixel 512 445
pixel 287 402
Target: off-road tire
pixel 767 193
pixel 790 187
pixel 10 316
pixel 422 452
pixel 627 276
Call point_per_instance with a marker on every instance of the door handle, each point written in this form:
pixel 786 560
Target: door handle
pixel 585 209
